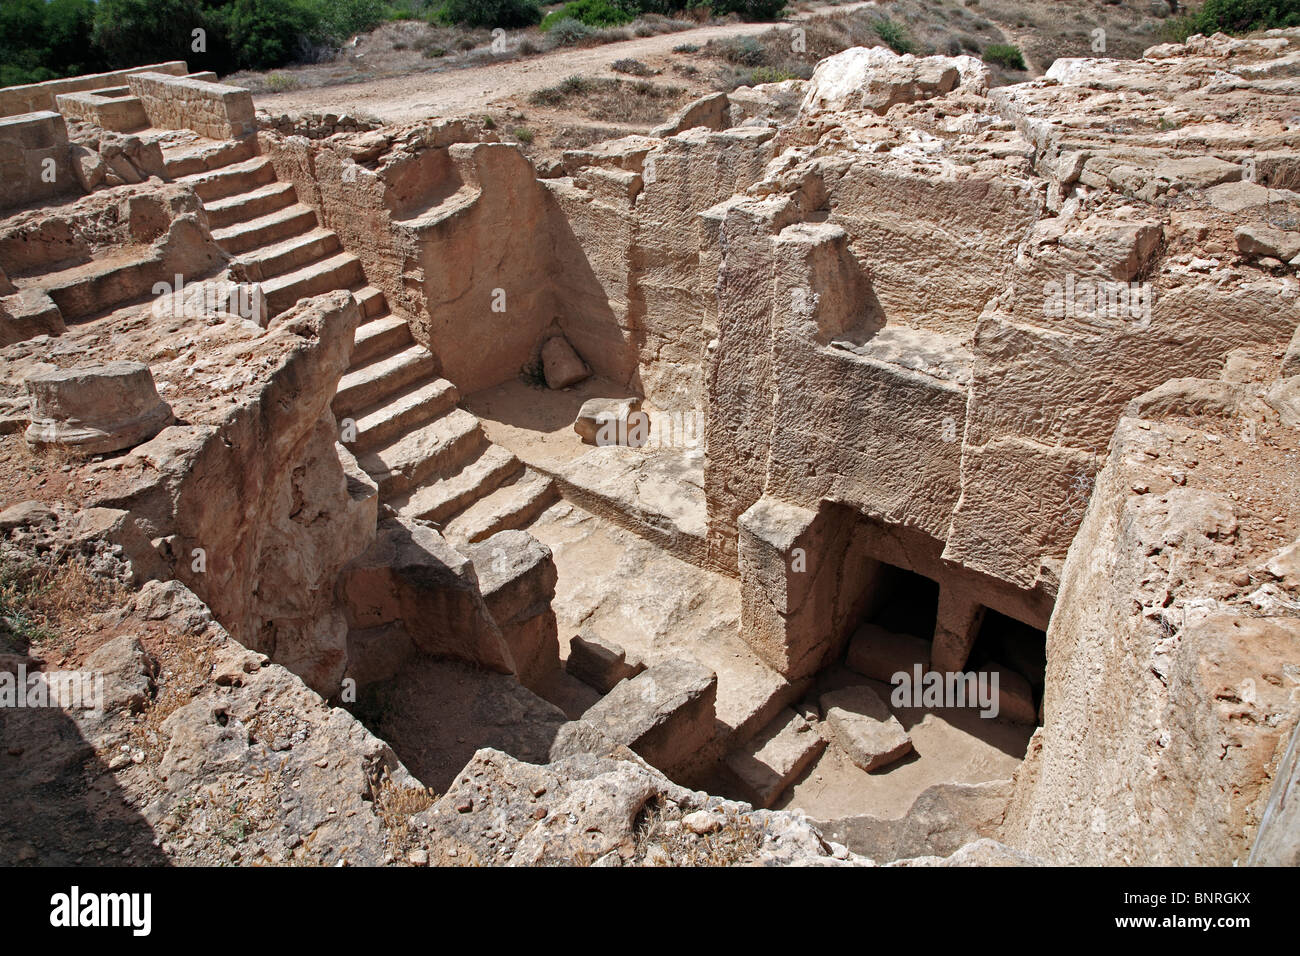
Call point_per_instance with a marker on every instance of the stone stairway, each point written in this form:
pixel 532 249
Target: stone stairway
pixel 431 458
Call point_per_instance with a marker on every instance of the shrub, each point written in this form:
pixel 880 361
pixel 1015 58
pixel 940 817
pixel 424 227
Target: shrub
pixel 1234 16
pixel 630 67
pixel 489 13
pixel 1004 54
pixel 593 13
pixel 523 134
pixel 568 32
pixel 687 48
pixel 265 33
pixel 281 82
pixel 894 36
pixel 750 9
pixel 743 51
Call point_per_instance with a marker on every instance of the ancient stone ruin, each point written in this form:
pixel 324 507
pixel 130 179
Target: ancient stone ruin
pixel 881 468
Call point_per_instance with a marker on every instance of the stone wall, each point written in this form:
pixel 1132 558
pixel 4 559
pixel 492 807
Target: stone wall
pixel 1170 687
pixel 113 109
pixel 34 159
pixel 210 109
pixel 33 97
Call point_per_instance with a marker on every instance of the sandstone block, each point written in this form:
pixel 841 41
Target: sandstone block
pixel 864 728
pixel 880 654
pixel 600 662
pixel 1258 239
pixel 561 364
pixel 772 760
pixel 95 409
pixel 88 166
pixel 612 421
pixel 1015 697
pixel 666 713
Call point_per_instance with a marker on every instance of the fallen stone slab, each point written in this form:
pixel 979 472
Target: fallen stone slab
pixel 1015 697
pixel 95 409
pixel 880 654
pixel 517 576
pixel 1259 239
pixel 561 365
pixel 600 662
pixel 767 764
pixel 863 727
pixel 666 714
pixel 612 421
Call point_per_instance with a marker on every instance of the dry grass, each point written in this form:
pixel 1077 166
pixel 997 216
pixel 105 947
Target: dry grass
pixel 43 605
pixel 395 806
pixel 736 842
pixel 633 102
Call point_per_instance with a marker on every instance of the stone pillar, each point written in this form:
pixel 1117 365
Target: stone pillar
pixel 803 581
pixel 955 630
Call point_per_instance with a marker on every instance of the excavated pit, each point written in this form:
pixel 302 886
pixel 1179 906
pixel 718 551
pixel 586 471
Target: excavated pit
pixel 876 447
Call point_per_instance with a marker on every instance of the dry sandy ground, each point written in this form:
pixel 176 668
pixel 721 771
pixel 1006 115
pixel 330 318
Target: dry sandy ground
pixel 407 99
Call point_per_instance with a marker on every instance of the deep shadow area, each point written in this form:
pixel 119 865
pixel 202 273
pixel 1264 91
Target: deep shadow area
pixel 908 602
pixel 1004 640
pixel 437 713
pixel 59 803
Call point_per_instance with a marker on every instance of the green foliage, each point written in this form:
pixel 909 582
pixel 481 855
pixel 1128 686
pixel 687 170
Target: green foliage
pixel 132 32
pixel 1234 16
pixel 1004 54
pixel 748 9
pixel 593 13
pixel 265 33
pixel 508 14
pixel 568 31
pixel 894 35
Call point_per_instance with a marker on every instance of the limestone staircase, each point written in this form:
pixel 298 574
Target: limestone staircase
pixel 431 459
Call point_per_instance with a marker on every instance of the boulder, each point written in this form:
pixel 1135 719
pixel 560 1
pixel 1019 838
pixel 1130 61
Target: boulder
pixel 769 763
pixel 599 662
pixel 561 364
pixel 876 78
pixel 1258 239
pixel 612 421
pixel 95 409
pixel 25 514
pixel 88 166
pixel 665 714
pixel 863 727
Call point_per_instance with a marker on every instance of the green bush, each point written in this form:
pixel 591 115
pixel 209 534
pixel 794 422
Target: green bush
pixel 341 19
pixel 569 31
pixel 593 13
pixel 1234 16
pixel 42 41
pixel 743 51
pixel 1004 54
pixel 894 36
pixel 747 9
pixel 508 14
pixel 132 32
pixel 267 33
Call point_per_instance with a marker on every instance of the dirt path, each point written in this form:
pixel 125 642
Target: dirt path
pixel 413 97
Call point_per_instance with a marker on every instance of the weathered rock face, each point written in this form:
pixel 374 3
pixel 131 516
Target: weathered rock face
pixel 415 592
pixel 592 810
pixel 250 502
pixel 666 714
pixel 97 408
pixel 876 78
pixel 1169 602
pixel 1022 260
